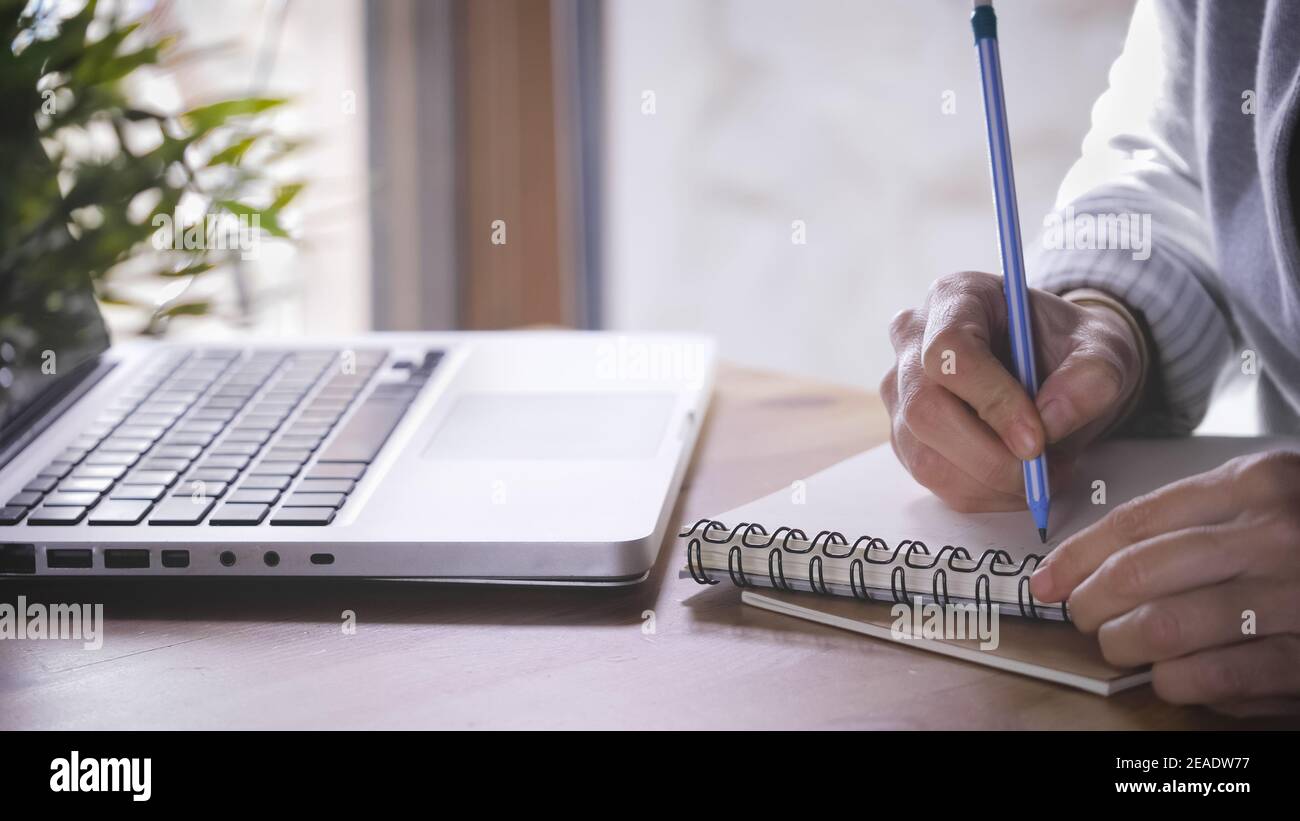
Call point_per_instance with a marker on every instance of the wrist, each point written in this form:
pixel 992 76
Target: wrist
pixel 1126 324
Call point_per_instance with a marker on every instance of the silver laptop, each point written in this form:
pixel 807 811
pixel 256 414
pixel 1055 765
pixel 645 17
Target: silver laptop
pixel 547 457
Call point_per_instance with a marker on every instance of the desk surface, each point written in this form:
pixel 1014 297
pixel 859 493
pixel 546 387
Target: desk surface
pixel 221 655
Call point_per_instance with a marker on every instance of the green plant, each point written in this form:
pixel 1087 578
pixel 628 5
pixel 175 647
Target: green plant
pixel 87 176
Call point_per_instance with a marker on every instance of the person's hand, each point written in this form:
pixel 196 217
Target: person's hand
pixel 1200 579
pixel 962 424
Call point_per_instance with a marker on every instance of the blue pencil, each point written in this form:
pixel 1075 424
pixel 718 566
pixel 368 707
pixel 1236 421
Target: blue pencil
pixel 985 24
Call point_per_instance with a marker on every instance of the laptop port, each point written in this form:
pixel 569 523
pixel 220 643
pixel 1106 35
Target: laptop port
pixel 126 558
pixel 17 558
pixel 271 558
pixel 69 557
pixel 322 558
pixel 175 558
pixel 227 558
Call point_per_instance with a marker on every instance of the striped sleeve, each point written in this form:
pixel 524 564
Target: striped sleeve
pixel 1130 216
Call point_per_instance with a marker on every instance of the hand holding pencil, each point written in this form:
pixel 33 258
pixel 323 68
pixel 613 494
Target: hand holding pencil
pixel 970 421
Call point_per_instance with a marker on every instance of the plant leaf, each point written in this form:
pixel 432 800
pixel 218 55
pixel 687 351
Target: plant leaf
pixel 207 117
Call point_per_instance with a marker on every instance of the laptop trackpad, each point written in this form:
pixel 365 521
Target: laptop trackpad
pixel 552 426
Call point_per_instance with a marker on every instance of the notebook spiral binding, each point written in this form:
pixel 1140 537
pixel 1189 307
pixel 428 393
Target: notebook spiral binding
pixel 831 544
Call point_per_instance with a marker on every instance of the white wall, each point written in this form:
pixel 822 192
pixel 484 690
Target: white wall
pixel 769 111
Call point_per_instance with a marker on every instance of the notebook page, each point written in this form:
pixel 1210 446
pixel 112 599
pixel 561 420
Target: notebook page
pixel 871 494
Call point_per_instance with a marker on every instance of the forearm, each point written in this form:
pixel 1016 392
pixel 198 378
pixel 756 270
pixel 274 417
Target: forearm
pixel 1130 221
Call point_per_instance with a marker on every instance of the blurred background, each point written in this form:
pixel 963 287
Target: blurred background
pixel 785 176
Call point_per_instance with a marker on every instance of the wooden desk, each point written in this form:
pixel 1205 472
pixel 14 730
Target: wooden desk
pixel 213 654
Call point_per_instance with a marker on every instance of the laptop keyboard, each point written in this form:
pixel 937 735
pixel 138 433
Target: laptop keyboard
pixel 228 438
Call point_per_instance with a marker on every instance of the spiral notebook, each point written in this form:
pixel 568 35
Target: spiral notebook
pixel 865 529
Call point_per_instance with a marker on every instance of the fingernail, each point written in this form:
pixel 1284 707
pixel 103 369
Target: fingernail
pixel 1040 583
pixel 1056 418
pixel 1023 441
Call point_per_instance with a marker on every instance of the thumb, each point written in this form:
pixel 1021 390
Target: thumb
pixel 1086 387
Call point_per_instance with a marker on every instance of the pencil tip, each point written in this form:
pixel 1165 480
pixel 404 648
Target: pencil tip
pixel 1042 535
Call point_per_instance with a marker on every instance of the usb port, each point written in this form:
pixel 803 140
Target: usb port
pixel 68 557
pixel 126 559
pixel 17 558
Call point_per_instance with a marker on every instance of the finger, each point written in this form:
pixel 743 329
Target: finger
pixel 1201 619
pixel 889 390
pixel 945 480
pixel 1267 479
pixel 946 424
pixel 1167 564
pixel 1086 386
pixel 957 353
pixel 905 330
pixel 1261 669
pixel 1197 500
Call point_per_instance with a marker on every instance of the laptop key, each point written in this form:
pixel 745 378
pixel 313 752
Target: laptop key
pixel 337 470
pixel 212 490
pixel 27 498
pixel 150 477
pixel 212 475
pixel 301 429
pixel 148 493
pixel 303 516
pixel 326 486
pixel 110 457
pixel 173 408
pixel 223 461
pixel 119 512
pixel 302 443
pixel 176 396
pixel 200 426
pixel 76 498
pixel 86 484
pixel 235 449
pixel 331 500
pixel 57 469
pixel 214 414
pixel 98 471
pixel 276 468
pixel 239 514
pixel 254 496
pixel 12 515
pixel 150 432
pixel 121 444
pixel 151 420
pixel 181 510
pixel 265 482
pixel 220 402
pixel 152 463
pixel 298 455
pixel 263 421
pixel 319 418
pixel 200 438
pixel 190 452
pixel 279 409
pixel 56 515
pixel 41 484
pixel 248 435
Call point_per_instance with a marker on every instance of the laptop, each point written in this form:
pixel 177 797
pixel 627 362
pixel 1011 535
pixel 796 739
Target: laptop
pixel 507 457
